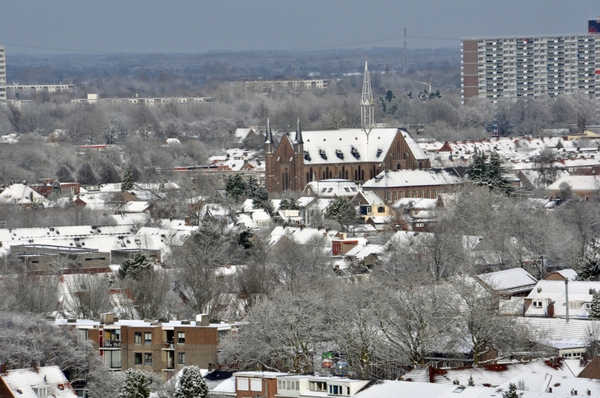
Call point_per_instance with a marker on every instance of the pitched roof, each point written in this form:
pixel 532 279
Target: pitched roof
pixel 412 178
pixel 21 382
pixel 353 145
pixel 510 280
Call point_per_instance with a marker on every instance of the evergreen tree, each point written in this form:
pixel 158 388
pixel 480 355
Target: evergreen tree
pixel 191 384
pixel 342 211
pixel 136 385
pixel 56 191
pixel 236 187
pixel 261 200
pixel 496 173
pixel 489 172
pixel 471 382
pixel 127 183
pixel 251 187
pixel 134 267
pixel 288 204
pixel 595 306
pixel 589 270
pixel 512 392
pixel 477 170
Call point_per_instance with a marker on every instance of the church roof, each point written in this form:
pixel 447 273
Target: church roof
pixel 353 145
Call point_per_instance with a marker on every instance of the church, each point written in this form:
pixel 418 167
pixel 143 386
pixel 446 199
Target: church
pixel 351 154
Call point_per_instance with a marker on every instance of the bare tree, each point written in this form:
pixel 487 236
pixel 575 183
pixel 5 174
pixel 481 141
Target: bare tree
pixel 88 295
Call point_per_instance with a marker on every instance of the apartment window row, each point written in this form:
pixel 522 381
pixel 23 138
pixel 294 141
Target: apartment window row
pixel 339 390
pixel 288 385
pixel 246 384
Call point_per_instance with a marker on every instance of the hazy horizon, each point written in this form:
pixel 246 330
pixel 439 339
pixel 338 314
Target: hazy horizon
pixel 188 26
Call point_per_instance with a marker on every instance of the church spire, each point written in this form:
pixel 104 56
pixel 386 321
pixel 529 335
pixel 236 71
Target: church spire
pixel 269 138
pixel 367 107
pixel 299 139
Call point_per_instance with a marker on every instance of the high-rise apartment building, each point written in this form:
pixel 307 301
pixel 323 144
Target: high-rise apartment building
pixel 2 75
pixel 530 66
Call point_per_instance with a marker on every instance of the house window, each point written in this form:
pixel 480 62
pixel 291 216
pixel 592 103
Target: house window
pixel 336 390
pixel 147 358
pixel 255 385
pixel 242 384
pixel 147 338
pixel 389 196
pixel 138 358
pixel 180 337
pixel 318 386
pixel 181 358
pixel 537 304
pixel 381 209
pixel 575 304
pixel 137 337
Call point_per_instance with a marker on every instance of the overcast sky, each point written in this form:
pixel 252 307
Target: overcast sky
pixel 193 26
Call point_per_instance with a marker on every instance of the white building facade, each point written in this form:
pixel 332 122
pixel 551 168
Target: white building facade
pixel 529 66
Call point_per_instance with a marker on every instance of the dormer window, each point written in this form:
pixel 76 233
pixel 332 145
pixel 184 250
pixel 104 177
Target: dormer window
pixel 379 152
pixel 306 156
pixel 323 154
pixel 339 153
pixel 355 153
pixel 40 391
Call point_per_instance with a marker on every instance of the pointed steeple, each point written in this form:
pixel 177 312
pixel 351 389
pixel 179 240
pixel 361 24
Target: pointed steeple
pixel 299 139
pixel 367 107
pixel 268 135
pixel 269 138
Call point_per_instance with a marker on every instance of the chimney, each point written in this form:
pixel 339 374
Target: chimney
pixel 34 366
pixel 202 320
pixel 2 368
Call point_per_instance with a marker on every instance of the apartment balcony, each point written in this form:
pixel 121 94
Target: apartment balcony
pixel 111 345
pixel 168 346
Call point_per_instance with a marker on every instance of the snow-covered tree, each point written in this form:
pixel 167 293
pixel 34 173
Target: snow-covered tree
pixel 589 270
pixel 191 384
pixel 261 200
pixel 134 267
pixel 491 172
pixel 236 187
pixel 595 306
pixel 127 183
pixel 342 211
pixel 512 392
pixel 137 384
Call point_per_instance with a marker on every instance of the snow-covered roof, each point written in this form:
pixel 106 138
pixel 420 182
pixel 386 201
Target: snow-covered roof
pixel 416 203
pixel 242 133
pixel 362 251
pixel 511 280
pixel 21 382
pixel 353 145
pixel 577 183
pixel 373 198
pixel 332 188
pixel 299 235
pixel 20 194
pixel 412 178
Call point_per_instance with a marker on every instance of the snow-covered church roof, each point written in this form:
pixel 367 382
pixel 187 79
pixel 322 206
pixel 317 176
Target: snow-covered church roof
pixel 353 145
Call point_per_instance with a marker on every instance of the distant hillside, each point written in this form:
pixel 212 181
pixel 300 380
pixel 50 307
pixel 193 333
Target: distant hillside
pixel 199 68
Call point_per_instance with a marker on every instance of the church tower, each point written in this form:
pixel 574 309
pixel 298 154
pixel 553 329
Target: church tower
pixel 367 107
